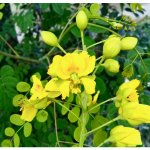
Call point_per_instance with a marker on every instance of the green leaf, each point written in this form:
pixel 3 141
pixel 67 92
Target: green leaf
pixel 8 83
pixel 1 15
pixel 99 137
pixel 42 116
pixel 98 121
pixel 100 85
pixel 64 110
pixel 25 19
pixel 44 6
pixel 9 131
pixel 2 6
pixel 6 143
pixel 111 111
pixel 61 124
pixel 17 99
pixel 15 119
pixel 88 41
pixel 95 110
pixel 70 98
pixel 27 129
pixel 135 7
pixel 58 8
pixel 6 70
pixel 76 32
pixel 94 8
pixel 128 71
pixel 23 87
pixel 144 70
pixel 77 133
pixel 16 140
pixel 72 118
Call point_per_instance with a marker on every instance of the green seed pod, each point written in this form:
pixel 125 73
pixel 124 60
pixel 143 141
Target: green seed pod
pixel 81 20
pixel 111 47
pixel 111 65
pixel 49 38
pixel 128 43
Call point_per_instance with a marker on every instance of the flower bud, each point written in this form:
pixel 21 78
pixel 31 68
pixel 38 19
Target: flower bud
pixel 111 47
pixel 125 136
pixel 111 65
pixel 49 38
pixel 81 20
pixel 117 26
pixel 135 113
pixel 128 43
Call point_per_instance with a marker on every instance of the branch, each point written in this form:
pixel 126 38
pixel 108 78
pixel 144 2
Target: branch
pixel 19 57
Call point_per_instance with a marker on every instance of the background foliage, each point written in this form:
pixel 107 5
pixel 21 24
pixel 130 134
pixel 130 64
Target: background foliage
pixel 30 18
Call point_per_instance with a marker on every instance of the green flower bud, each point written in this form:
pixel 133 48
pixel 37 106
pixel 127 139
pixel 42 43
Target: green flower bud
pixel 117 26
pixel 49 38
pixel 111 65
pixel 128 43
pixel 81 20
pixel 111 47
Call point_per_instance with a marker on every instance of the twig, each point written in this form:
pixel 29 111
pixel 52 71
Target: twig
pixel 9 46
pixel 19 57
pixel 57 139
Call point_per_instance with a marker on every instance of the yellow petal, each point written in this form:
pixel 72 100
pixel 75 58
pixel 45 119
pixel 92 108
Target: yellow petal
pixel 28 113
pixel 37 85
pixel 89 85
pixel 125 136
pixel 89 63
pixel 95 97
pixel 52 71
pixel 54 94
pixel 53 85
pixel 135 113
pixel 58 86
pixel 131 84
pixel 65 88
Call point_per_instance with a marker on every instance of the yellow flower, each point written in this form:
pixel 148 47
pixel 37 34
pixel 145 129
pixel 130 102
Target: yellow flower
pixel 127 93
pixel 69 72
pixel 125 136
pixel 28 113
pixel 38 100
pixel 135 113
pixel 37 89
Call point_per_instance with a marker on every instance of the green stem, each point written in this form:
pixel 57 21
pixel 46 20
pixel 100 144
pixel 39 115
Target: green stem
pixel 141 60
pixel 9 46
pixel 82 39
pixel 57 139
pixel 103 143
pixel 109 122
pixel 97 43
pixel 20 57
pixel 108 20
pixel 83 128
pixel 108 100
pixel 105 28
pixel 62 49
pixel 96 68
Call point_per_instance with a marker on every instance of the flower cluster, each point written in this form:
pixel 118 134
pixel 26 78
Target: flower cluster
pixel 74 73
